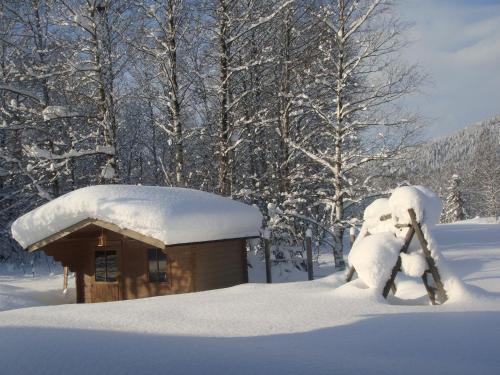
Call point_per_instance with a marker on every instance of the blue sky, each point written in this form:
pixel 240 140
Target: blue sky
pixel 457 42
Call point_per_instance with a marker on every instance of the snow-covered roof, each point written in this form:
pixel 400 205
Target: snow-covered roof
pixel 170 215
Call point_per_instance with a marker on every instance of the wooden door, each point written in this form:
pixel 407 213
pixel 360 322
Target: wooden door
pixel 106 281
pixel 105 292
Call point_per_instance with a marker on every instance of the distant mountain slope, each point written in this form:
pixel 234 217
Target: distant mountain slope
pixel 455 151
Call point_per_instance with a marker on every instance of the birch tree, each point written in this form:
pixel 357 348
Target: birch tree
pixel 230 26
pixel 165 28
pixel 97 58
pixel 349 92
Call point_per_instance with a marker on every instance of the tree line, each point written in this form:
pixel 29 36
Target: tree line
pixel 292 105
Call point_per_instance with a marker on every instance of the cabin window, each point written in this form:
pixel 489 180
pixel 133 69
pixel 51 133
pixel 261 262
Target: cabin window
pixel 157 262
pixel 106 266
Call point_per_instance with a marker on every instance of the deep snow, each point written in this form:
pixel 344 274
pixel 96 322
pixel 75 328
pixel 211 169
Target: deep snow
pixel 319 327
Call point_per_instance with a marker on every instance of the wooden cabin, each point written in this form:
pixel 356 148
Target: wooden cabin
pixel 115 258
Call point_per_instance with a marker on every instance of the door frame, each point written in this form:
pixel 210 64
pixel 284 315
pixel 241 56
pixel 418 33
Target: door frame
pixel 111 245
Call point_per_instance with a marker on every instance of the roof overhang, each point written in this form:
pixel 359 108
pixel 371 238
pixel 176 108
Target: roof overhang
pixel 100 223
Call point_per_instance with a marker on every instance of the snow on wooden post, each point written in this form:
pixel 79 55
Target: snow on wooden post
pixel 310 275
pixel 351 270
pixel 65 280
pixel 352 236
pixel 266 235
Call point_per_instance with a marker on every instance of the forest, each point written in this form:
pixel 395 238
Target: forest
pixel 295 106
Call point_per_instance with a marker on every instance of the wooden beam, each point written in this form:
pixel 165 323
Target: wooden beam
pixel 397 266
pixel 65 279
pixel 129 233
pixel 350 274
pixel 310 273
pixel 429 289
pixel 59 235
pixel 394 288
pixel 100 223
pixel 244 260
pixel 267 256
pixel 385 217
pixel 441 292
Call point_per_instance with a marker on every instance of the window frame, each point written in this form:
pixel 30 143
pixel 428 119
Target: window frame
pixel 157 262
pixel 117 275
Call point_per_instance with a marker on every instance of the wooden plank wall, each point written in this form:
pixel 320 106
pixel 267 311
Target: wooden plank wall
pixel 191 267
pixel 219 265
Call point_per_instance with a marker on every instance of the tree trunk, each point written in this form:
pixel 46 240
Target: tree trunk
pixel 224 157
pixel 338 181
pixel 174 95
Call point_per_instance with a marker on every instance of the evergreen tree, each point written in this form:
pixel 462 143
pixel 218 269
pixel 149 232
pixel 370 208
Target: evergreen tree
pixel 454 204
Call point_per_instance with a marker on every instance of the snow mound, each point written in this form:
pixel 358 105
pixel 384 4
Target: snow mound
pixel 374 256
pixel 171 215
pixel 371 219
pixel 378 247
pixel 413 264
pixel 425 203
pixel 373 213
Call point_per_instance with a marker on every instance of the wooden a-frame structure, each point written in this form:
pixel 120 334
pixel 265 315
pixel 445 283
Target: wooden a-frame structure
pixel 436 292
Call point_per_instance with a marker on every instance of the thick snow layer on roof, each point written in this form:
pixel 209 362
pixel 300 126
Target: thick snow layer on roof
pixel 171 215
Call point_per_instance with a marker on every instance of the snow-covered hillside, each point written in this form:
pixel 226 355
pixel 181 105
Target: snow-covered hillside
pixel 319 327
pixel 455 151
pixel 468 159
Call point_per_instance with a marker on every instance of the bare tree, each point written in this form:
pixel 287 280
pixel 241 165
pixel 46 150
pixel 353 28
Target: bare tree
pixel 166 24
pixel 232 23
pixel 97 58
pixel 348 94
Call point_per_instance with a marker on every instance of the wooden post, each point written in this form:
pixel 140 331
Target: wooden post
pixel 429 289
pixel 350 274
pixel 267 255
pixel 65 279
pixel 338 254
pixel 310 275
pixel 441 292
pixel 397 267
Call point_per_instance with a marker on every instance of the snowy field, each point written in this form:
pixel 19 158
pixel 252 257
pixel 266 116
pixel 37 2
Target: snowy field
pixel 319 327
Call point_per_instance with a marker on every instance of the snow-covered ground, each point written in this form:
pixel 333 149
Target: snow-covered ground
pixel 319 327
